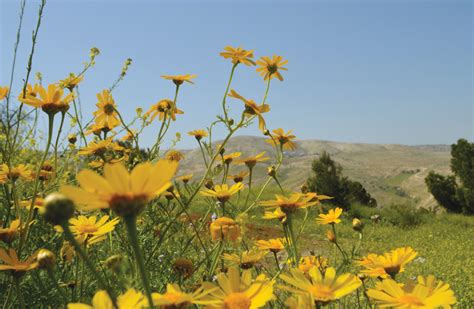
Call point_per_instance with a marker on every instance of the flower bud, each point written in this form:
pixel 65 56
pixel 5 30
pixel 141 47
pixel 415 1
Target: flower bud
pixel 271 171
pixel 46 259
pixel 72 138
pixel 331 236
pixel 114 262
pixel 357 225
pixel 209 184
pixel 304 188
pixel 58 208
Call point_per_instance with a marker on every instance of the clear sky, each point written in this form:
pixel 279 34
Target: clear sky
pixel 359 71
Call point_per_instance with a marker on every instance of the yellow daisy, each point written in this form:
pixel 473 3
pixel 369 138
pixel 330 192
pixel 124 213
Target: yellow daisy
pixel 269 68
pixel 90 229
pixel 276 214
pixel 12 263
pixel 224 228
pixel 4 92
pixel 322 287
pixel 274 245
pixel 101 300
pixel 31 91
pixel 427 294
pixel 282 139
pixel 106 115
pixel 223 192
pixel 252 161
pixel 71 81
pixel 174 155
pixel 238 55
pixel 162 108
pixel 290 204
pixel 388 264
pixel 8 234
pixel 99 148
pixel 176 298
pixel 332 217
pixel 237 292
pixel 308 262
pixel 20 171
pixel 252 108
pixel 51 100
pixel 198 134
pixel 125 193
pixel 179 79
pixel 238 177
pixel 185 178
pixel 246 259
pixel 228 158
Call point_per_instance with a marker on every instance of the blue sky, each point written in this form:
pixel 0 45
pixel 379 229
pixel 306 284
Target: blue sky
pixel 359 71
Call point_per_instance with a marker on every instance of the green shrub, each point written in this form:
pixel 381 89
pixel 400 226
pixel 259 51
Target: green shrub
pixel 405 215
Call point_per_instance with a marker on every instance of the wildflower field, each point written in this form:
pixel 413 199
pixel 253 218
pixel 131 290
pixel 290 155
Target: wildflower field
pixel 92 218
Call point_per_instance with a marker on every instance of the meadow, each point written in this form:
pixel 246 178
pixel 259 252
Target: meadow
pixel 93 218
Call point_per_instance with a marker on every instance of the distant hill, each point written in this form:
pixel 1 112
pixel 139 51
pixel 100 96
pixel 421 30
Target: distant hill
pixel 391 173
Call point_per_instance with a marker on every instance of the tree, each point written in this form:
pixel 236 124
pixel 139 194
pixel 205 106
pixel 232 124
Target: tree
pixel 443 189
pixel 327 179
pixel 456 192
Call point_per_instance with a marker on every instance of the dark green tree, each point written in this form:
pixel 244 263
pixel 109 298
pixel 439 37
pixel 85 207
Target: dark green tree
pixel 443 189
pixel 327 179
pixel 456 192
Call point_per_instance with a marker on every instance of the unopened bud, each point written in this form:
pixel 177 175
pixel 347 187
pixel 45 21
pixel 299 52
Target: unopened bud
pixel 46 259
pixel 357 225
pixel 331 236
pixel 58 208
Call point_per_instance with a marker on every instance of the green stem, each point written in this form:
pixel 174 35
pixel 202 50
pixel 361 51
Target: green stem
pixel 289 221
pixel 131 223
pixel 79 121
pixel 52 277
pixel 250 187
pixel 63 115
pixel 226 116
pixel 19 294
pixel 70 237
pixel 276 261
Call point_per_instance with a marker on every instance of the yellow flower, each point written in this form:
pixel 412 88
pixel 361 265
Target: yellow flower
pixel 162 108
pixel 308 262
pixel 246 259
pixel 8 234
pixel 273 245
pixel 252 161
pixel 223 193
pixel 174 155
pixel 176 298
pixel 322 287
pixel 224 229
pixel 125 193
pixel 279 137
pixel 228 158
pixel 106 115
pixel 39 204
pixel 238 292
pixel 238 55
pixel 185 178
pixel 269 68
pixel 332 217
pixel 276 214
pixel 97 129
pixel 290 204
pixel 30 91
pixel 101 300
pixel 99 148
pixel 179 79
pixel 90 229
pixel 4 92
pixel 20 171
pixel 51 101
pixel 71 81
pixel 238 177
pixel 198 134
pixel 388 264
pixel 425 295
pixel 14 264
pixel 252 109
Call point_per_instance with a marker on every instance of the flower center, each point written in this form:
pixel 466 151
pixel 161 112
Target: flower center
pixel 272 68
pixel 322 293
pixel 411 300
pixel 237 301
pixel 392 270
pixel 128 204
pixel 109 109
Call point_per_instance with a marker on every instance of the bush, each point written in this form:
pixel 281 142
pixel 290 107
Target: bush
pixel 404 215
